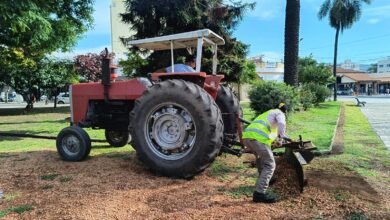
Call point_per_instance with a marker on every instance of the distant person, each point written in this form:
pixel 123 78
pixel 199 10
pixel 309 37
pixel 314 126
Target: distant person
pixel 387 91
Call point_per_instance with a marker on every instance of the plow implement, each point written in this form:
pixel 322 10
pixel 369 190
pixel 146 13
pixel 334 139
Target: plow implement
pixel 298 154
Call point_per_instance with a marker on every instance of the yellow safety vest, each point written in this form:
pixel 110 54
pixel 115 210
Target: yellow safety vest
pixel 261 130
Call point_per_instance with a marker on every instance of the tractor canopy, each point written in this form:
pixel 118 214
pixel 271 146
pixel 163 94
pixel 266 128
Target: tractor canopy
pixel 189 40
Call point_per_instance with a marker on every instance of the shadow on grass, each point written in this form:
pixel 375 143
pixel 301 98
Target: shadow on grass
pixel 37 122
pixel 36 110
pixel 4 137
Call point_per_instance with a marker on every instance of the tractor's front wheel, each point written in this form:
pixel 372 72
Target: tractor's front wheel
pixel 177 128
pixel 117 138
pixel 73 143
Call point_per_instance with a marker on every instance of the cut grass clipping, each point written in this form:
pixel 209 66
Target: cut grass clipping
pixel 16 209
pixel 51 176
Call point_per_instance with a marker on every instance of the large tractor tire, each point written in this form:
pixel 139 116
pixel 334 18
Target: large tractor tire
pixel 117 138
pixel 73 143
pixel 177 128
pixel 229 105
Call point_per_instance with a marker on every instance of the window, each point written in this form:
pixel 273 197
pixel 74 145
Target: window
pixel 380 66
pixel 388 65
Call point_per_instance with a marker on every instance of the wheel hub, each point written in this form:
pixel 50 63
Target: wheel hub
pixel 171 131
pixel 71 144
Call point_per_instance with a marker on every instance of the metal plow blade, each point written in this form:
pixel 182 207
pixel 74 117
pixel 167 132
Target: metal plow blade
pixel 299 154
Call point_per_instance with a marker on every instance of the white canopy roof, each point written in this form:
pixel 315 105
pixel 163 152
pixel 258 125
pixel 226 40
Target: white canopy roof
pixel 182 40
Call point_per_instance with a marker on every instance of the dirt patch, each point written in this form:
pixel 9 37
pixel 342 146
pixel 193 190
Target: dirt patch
pixel 118 187
pixel 334 182
pixel 338 141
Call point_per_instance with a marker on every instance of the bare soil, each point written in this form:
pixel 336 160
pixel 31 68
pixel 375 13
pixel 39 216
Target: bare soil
pixel 338 141
pixel 119 187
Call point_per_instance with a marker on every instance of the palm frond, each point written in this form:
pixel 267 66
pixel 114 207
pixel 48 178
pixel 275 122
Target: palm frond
pixel 325 8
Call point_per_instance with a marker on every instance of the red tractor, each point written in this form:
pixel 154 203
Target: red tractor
pixel 177 122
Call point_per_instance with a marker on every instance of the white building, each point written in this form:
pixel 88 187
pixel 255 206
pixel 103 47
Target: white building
pixel 384 66
pixel 118 28
pixel 348 64
pixel 269 71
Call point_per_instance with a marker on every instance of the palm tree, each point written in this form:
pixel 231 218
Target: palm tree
pixel 291 42
pixel 342 15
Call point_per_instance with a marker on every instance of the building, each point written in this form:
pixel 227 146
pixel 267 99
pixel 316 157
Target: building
pixel 268 70
pixel 384 66
pixel 362 83
pixel 348 64
pixel 118 29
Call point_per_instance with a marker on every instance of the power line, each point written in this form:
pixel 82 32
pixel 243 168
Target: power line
pixel 350 42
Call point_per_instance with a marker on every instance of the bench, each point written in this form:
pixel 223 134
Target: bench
pixel 360 103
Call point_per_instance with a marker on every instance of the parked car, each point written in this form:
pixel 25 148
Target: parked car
pixel 63 98
pixel 344 92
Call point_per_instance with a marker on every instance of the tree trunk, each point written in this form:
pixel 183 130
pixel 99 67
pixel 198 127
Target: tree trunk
pixel 291 42
pixel 336 43
pixel 55 97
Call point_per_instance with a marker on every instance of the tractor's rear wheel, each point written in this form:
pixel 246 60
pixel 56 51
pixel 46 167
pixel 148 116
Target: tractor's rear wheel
pixel 117 138
pixel 229 105
pixel 73 143
pixel 176 128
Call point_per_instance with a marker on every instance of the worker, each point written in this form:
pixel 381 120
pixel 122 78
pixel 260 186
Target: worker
pixel 266 130
pixel 189 66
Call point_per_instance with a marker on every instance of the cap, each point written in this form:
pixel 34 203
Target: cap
pixel 283 107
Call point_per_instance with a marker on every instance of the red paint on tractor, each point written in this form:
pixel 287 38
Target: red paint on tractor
pixel 84 92
pixel 211 84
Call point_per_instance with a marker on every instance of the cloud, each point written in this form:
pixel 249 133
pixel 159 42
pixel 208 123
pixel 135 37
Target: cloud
pixel 70 55
pixel 373 21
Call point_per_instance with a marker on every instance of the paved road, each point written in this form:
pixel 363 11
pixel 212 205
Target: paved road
pixel 377 110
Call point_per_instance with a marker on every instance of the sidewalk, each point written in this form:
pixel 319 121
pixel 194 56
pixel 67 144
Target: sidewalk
pixel 378 114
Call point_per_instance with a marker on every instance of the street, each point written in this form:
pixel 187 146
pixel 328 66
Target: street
pixel 23 105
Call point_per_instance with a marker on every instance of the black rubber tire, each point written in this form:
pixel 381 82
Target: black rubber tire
pixel 83 138
pixel 61 102
pixel 229 105
pixel 207 119
pixel 125 138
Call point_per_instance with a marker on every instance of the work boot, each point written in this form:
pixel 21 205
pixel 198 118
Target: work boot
pixel 264 197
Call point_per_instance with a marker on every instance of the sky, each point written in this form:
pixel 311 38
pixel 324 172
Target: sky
pixel 263 29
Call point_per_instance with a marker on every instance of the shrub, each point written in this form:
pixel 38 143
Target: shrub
pixel 306 98
pixel 265 95
pixel 321 92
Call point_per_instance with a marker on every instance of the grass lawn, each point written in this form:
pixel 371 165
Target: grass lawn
pixel 364 152
pixel 42 121
pixel 316 124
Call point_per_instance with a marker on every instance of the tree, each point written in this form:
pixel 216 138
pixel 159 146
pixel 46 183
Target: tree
pixel 36 28
pixel 373 68
pixel 342 15
pixel 31 29
pixel 47 74
pixel 309 71
pixel 291 42
pixel 89 66
pixel 58 74
pixel 153 18
pixel 314 78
